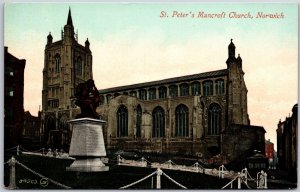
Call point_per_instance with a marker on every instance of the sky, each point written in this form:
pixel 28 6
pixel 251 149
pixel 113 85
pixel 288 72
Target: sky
pixel 132 43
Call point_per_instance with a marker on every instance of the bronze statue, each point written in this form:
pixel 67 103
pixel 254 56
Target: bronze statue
pixel 87 98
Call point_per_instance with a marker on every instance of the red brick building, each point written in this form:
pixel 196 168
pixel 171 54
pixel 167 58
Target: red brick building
pixel 269 149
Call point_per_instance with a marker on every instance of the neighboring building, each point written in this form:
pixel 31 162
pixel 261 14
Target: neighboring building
pixel 66 64
pixel 13 99
pixel 287 141
pixel 31 137
pixel 204 114
pixel 269 149
pixel 269 153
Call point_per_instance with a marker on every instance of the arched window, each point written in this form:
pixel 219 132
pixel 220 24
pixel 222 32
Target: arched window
pixel 116 94
pixel 132 93
pixel 173 91
pixel 184 89
pixel 158 122
pixel 214 119
pixel 50 123
pixel 152 93
pixel 220 87
pixel 182 121
pixel 138 121
pixel 162 92
pixel 143 94
pixel 57 63
pixel 108 98
pixel 122 121
pixel 196 88
pixel 78 66
pixel 63 123
pixel 207 88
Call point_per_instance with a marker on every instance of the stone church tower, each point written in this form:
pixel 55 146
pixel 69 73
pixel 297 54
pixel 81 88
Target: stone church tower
pixel 66 63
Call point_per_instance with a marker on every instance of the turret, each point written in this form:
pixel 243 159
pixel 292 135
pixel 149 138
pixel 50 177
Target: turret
pixel 87 44
pixel 239 61
pixel 231 53
pixel 49 38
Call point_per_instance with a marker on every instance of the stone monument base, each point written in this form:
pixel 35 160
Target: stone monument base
pixel 87 145
pixel 88 165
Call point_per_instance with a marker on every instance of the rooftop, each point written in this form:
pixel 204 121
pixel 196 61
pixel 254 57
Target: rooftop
pixel 197 76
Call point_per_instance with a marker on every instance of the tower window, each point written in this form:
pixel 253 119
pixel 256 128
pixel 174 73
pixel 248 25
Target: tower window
pixel 220 87
pixel 196 88
pixel 57 63
pixel 78 66
pixel 63 124
pixel 162 92
pixel 182 121
pixel 184 89
pixel 122 121
pixel 207 88
pixel 214 119
pixel 158 122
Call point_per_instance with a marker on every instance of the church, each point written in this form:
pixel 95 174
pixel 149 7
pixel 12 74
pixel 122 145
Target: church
pixel 202 114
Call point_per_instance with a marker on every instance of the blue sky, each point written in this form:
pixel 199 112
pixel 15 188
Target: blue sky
pixel 132 44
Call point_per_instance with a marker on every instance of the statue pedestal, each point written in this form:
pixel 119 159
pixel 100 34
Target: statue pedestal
pixel 87 145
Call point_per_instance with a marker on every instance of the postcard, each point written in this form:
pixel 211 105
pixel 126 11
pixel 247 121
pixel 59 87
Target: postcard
pixel 150 95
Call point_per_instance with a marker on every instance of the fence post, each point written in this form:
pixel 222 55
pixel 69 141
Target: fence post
pixel 169 164
pixel 197 166
pixel 245 174
pixel 222 173
pixel 239 180
pixel 257 180
pixel 158 181
pixel 18 150
pixel 119 159
pixel 143 162
pixel 152 182
pixel 12 176
pixel 266 185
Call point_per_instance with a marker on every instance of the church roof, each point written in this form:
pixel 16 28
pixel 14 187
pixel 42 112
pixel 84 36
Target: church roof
pixel 167 81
